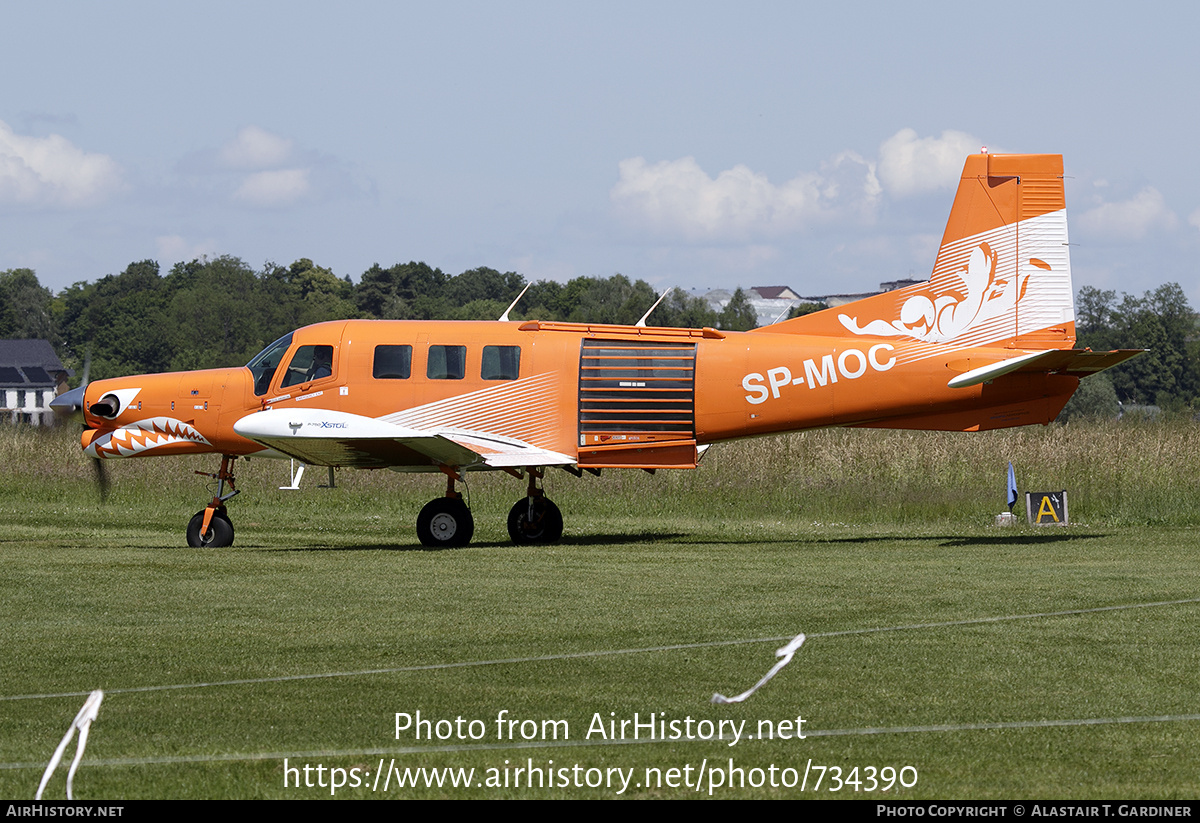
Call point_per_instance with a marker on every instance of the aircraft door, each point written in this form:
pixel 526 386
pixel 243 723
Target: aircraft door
pixel 637 397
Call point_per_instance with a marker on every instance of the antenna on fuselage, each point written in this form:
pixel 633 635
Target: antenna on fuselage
pixel 513 305
pixel 641 323
pixel 782 313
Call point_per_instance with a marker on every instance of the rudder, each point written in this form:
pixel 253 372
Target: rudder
pixel 1002 276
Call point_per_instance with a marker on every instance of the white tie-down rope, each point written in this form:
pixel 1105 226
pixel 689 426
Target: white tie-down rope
pixel 82 721
pixel 785 656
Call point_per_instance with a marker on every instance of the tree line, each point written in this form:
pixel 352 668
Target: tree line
pixel 1165 378
pixel 218 312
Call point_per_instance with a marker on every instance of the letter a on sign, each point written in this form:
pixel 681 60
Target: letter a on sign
pixel 1046 508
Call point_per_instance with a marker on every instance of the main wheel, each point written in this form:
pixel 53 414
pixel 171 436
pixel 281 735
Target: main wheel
pixel 219 534
pixel 445 521
pixel 534 520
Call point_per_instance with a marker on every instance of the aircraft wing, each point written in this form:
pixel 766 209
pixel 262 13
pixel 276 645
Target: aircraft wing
pixel 320 437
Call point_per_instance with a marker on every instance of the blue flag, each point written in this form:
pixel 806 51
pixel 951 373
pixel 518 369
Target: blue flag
pixel 1012 486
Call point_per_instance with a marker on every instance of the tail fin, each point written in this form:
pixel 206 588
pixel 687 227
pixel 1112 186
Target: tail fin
pixel 1002 276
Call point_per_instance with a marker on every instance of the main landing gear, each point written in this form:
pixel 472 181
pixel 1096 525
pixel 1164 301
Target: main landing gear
pixel 446 522
pixel 211 527
pixel 535 519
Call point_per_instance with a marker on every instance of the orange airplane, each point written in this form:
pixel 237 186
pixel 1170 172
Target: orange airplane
pixel 986 343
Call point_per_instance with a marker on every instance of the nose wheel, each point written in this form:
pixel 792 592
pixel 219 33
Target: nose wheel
pixel 218 535
pixel 211 528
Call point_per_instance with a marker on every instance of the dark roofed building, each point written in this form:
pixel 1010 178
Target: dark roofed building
pixel 30 376
pixel 775 293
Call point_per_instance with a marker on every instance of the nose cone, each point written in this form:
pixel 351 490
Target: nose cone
pixel 69 404
pixel 69 401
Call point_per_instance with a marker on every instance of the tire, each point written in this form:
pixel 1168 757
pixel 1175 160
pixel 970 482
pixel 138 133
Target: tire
pixel 445 522
pixel 544 524
pixel 220 531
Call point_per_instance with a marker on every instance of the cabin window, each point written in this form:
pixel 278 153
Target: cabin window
pixel 309 363
pixel 392 363
pixel 447 363
pixel 501 363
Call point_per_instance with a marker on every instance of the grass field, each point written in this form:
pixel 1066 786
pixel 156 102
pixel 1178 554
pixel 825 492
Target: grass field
pixel 996 663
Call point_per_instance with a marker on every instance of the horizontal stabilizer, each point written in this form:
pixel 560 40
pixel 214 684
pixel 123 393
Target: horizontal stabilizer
pixel 1071 362
pixel 981 375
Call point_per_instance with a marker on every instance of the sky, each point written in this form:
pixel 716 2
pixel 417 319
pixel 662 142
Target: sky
pixel 691 144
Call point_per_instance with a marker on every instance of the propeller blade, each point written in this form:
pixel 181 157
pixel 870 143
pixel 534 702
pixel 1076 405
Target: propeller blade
pixel 101 478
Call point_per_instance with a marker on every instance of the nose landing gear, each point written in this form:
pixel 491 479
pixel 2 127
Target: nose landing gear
pixel 211 528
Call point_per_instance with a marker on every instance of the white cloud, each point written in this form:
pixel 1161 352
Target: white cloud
pixel 1194 218
pixel 911 165
pixel 281 187
pixel 260 169
pixel 51 171
pixel 678 197
pixel 255 149
pixel 850 182
pixel 1130 219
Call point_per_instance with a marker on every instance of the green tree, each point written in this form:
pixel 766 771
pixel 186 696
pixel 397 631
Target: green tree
pixel 738 314
pixel 1096 399
pixel 217 314
pixel 392 293
pixel 483 284
pixel 122 320
pixel 323 295
pixel 543 301
pixel 805 308
pixel 607 299
pixel 1160 321
pixel 683 310
pixel 25 307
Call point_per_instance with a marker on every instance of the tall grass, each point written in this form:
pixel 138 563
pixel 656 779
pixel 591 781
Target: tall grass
pixel 1116 473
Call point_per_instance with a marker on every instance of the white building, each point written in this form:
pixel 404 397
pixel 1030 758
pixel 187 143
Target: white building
pixel 772 303
pixel 30 376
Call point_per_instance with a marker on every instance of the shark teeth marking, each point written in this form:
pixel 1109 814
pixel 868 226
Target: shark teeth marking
pixel 144 435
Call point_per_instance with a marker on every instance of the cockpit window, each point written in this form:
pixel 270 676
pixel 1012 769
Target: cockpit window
pixel 309 363
pixel 264 364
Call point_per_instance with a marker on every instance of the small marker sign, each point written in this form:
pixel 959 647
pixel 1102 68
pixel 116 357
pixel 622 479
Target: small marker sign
pixel 1046 508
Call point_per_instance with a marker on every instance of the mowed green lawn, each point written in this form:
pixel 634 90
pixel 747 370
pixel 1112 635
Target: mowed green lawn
pixel 1007 663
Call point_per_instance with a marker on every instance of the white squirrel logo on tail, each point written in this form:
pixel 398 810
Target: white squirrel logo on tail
pixel 934 317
